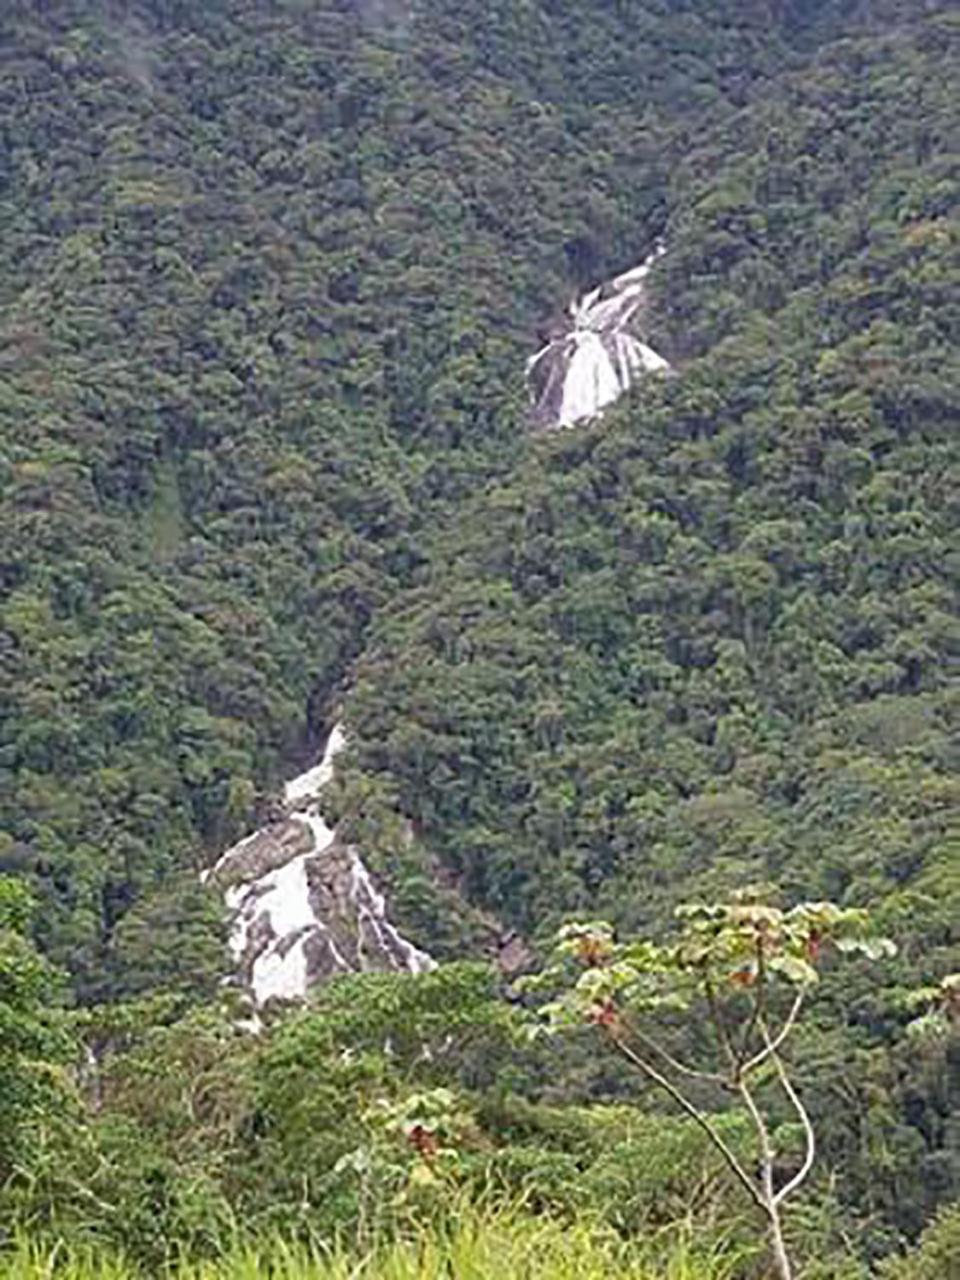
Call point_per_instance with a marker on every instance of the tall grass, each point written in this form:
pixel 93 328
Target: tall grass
pixel 503 1244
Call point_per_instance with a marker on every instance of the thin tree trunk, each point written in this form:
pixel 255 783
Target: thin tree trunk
pixel 768 1196
pixel 777 1246
pixel 695 1114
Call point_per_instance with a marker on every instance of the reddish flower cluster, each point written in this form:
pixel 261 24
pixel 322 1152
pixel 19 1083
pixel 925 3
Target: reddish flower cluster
pixel 423 1141
pixel 604 1015
pixel 591 952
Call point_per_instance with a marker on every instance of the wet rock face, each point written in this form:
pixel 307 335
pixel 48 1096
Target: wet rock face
pixel 304 904
pixel 513 955
pixel 597 354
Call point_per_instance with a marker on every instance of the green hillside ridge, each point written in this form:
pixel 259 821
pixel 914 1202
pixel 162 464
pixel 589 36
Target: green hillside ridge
pixel 269 274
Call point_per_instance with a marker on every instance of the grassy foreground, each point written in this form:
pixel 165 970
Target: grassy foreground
pixel 502 1246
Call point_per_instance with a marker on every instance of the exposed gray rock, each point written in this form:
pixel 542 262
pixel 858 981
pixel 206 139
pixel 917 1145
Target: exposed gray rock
pixel 305 906
pixel 513 955
pixel 266 850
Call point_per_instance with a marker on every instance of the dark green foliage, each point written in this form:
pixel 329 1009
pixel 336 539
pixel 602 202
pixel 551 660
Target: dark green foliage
pixel 269 278
pixel 269 273
pixel 712 641
pixel 172 941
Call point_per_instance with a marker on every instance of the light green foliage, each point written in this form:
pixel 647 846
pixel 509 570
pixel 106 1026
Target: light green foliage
pixel 722 971
pixel 480 1242
pixel 942 1005
pixel 319 1127
pixel 410 1161
pixel 450 1018
pixel 723 948
pixel 643 1171
pixel 33 1043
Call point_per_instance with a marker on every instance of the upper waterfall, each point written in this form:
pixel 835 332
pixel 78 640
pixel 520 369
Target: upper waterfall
pixel 596 357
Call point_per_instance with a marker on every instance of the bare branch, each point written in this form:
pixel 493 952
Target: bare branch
pixel 809 1135
pixel 767 1200
pixel 696 1115
pixel 756 1012
pixel 652 1046
pixel 723 1036
pixel 771 1046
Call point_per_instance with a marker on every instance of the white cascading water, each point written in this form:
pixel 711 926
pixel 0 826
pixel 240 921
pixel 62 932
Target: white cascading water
pixel 304 905
pixel 596 358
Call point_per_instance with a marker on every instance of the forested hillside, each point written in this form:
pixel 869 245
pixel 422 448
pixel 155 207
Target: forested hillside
pixel 268 282
pixel 269 274
pixel 712 641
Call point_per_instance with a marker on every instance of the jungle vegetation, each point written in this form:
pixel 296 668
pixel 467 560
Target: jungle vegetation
pixel 269 273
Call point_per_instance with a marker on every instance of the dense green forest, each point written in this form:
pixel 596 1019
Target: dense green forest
pixel 269 274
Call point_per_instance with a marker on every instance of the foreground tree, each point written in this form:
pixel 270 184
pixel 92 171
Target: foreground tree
pixel 743 970
pixel 33 1043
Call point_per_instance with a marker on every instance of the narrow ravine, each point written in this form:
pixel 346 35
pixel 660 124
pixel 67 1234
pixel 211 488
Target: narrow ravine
pixel 303 904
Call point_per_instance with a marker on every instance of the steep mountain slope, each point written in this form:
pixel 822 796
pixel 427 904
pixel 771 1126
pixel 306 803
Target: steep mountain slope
pixel 768 537
pixel 269 277
pixel 714 640
pixel 270 274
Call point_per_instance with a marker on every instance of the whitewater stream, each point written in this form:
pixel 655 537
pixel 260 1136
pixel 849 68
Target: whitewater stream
pixel 596 356
pixel 303 904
